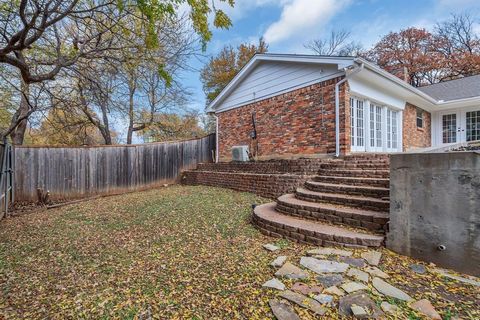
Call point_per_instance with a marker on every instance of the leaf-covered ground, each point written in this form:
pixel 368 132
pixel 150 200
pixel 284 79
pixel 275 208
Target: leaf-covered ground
pixel 173 253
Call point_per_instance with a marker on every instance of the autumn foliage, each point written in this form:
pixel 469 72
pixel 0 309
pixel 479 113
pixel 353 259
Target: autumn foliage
pixel 421 57
pixel 222 68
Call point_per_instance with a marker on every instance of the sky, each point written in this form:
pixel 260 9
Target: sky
pixel 287 25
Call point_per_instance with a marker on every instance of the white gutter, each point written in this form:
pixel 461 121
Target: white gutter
pixel 216 138
pixel 337 106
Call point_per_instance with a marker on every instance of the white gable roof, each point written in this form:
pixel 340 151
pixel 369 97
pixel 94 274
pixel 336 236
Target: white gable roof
pixel 266 75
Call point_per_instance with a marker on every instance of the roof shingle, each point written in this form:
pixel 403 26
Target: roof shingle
pixel 462 88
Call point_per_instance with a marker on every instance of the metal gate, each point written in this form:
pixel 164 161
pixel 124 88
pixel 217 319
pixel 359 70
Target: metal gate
pixel 6 178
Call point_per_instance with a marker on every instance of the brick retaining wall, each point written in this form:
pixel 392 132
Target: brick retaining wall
pixel 298 166
pixel 270 185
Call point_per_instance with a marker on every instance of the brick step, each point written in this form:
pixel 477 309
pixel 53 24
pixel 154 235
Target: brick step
pixel 272 223
pixel 371 220
pixel 367 191
pixel 355 181
pixel 343 199
pixel 351 165
pixel 366 156
pixel 364 173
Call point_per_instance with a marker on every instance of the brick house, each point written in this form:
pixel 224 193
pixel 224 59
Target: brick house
pixel 311 106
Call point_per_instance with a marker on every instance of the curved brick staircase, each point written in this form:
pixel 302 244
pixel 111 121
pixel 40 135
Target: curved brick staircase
pixel 346 204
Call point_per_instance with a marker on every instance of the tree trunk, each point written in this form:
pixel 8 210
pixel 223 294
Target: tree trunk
pixel 105 128
pixel 131 93
pixel 18 134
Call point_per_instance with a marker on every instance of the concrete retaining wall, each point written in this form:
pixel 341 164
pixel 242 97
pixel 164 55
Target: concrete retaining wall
pixel 435 201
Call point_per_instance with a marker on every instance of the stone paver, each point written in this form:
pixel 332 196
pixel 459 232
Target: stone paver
pixel 350 287
pixel 418 268
pixel 389 290
pixel 358 274
pixel 324 298
pixel 473 281
pixel 334 290
pixel 274 284
pixel 291 271
pixel 279 261
pixel 355 262
pixel 358 311
pixel 304 301
pixel 388 308
pixel 329 251
pixel 375 272
pixel 360 299
pixel 330 280
pixel 282 310
pixel 323 266
pixel 271 247
pixel 425 307
pixel 372 257
pixel 306 289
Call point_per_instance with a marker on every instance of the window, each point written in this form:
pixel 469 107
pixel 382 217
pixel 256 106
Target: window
pixel 419 118
pixel 473 125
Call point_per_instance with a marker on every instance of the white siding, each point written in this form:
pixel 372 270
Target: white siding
pixel 272 78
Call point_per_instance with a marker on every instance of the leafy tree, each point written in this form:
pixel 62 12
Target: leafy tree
pixel 460 45
pixel 62 127
pixel 411 54
pixel 171 126
pixel 41 38
pixel 221 69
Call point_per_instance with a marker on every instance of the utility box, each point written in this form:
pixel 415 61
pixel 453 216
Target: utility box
pixel 240 153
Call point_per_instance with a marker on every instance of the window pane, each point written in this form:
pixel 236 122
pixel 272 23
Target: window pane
pixel 449 128
pixel 378 125
pixel 473 125
pixel 419 118
pixel 360 135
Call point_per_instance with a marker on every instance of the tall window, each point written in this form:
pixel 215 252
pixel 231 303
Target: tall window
pixel 419 118
pixel 473 125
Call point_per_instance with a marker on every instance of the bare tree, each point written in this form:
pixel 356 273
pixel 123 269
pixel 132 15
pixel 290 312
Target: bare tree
pixel 458 42
pixel 337 44
pixel 150 77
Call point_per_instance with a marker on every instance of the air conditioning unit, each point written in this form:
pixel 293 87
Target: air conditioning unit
pixel 240 153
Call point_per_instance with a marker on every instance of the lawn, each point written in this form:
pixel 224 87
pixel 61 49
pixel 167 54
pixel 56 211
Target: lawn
pixel 172 253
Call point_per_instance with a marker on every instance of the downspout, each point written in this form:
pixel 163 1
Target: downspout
pixel 337 106
pixel 216 138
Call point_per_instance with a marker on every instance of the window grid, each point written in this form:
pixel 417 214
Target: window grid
pixel 360 129
pixel 389 130
pixel 394 129
pixel 473 125
pixel 449 128
pixel 372 125
pixel 378 111
pixel 419 118
pixel 352 121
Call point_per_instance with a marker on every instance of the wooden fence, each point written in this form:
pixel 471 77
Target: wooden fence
pixel 6 178
pixel 76 172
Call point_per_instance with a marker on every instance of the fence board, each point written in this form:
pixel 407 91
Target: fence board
pixel 75 172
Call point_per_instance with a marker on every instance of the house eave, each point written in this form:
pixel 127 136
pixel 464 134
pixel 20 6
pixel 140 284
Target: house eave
pixel 341 62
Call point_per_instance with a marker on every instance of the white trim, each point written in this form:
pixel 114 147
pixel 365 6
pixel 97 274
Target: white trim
pixel 216 138
pixel 342 62
pixel 274 94
pixel 437 125
pixel 422 99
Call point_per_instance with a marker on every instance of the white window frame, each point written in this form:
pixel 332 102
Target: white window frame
pixel 358 135
pixel 380 128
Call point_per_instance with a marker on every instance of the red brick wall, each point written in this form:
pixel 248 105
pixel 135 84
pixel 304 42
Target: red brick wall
pixel 270 185
pixel 414 137
pixel 296 123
